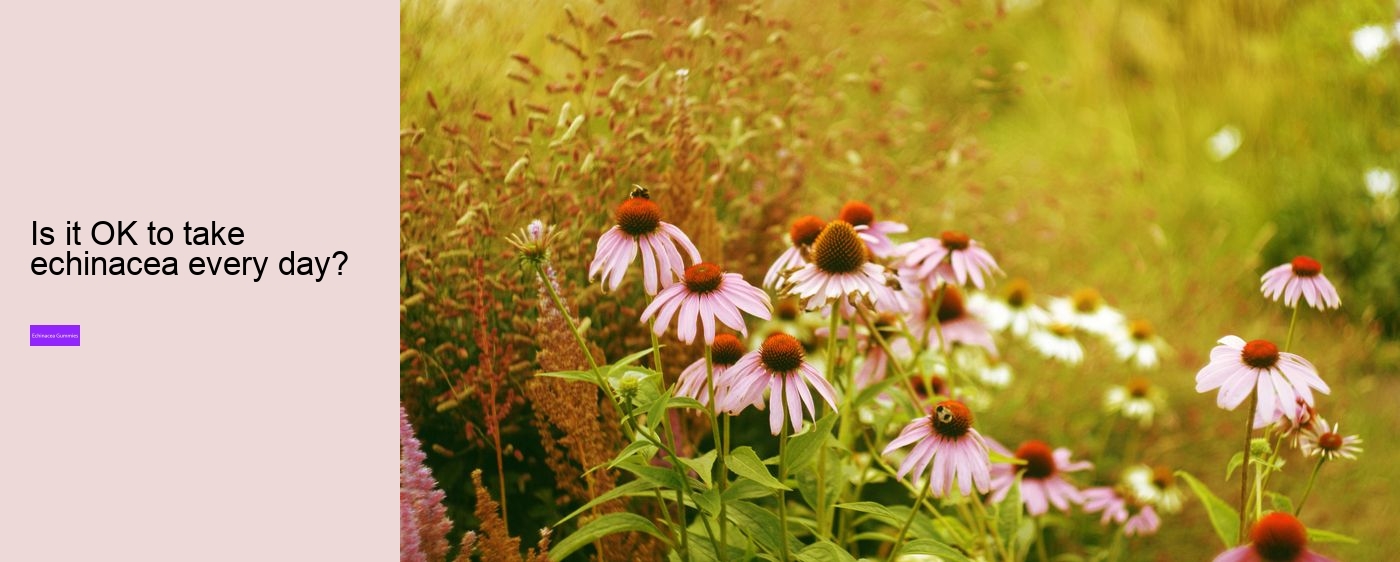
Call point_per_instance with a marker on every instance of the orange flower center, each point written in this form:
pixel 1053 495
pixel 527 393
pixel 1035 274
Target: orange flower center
pixel 788 309
pixel 805 230
pixel 954 240
pixel 1086 300
pixel 1141 330
pixel 1278 537
pixel 857 213
pixel 1139 386
pixel 1304 266
pixel 1018 293
pixel 1162 477
pixel 951 419
pixel 703 277
pixel 1330 442
pixel 781 353
pixel 951 306
pixel 1040 460
pixel 638 216
pixel 726 350
pixel 837 249
pixel 1260 354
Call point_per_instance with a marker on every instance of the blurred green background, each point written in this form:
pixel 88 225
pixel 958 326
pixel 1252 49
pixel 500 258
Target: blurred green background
pixel 1166 153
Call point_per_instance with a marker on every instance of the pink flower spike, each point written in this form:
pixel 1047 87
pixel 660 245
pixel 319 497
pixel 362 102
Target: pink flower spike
pixel 1276 537
pixel 706 295
pixel 954 258
pixel 1281 379
pixel 779 367
pixel 947 447
pixel 1300 277
pixel 1042 481
pixel 639 229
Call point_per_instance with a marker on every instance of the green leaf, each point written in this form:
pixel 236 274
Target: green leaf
pixel 930 547
pixel 707 501
pixel 630 488
pixel 879 511
pixel 601 527
pixel 824 551
pixel 584 376
pixel 663 477
pixel 1234 465
pixel 645 448
pixel 1223 517
pixel 685 402
pixel 1280 502
pixel 1009 515
pixel 744 462
pixel 759 523
pixel 802 449
pixel 704 465
pixel 656 408
pixel 620 364
pixel 1321 536
pixel 745 490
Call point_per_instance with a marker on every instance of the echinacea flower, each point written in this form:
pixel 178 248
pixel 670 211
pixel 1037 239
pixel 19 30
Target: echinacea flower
pixel 1276 537
pixel 1056 341
pixel 876 362
pixel 724 353
pixel 1137 344
pixel 1155 486
pixel 946 442
pixel 639 228
pixel 1086 310
pixel 953 257
pixel 1327 441
pixel 1119 509
pixel 1300 277
pixel 1238 368
pixel 840 269
pixel 777 366
pixel 708 294
pixel 1289 428
pixel 956 325
pixel 1042 483
pixel 1138 400
pixel 1015 311
pixel 801 235
pixel 875 234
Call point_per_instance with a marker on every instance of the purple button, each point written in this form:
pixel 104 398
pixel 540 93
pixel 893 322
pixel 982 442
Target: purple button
pixel 54 334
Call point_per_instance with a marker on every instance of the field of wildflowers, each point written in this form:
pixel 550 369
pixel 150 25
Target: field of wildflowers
pixel 904 280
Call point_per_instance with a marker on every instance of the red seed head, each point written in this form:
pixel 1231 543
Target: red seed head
pixel 951 419
pixel 804 230
pixel 1278 537
pixel 838 249
pixel 954 240
pixel 1040 459
pixel 781 353
pixel 703 277
pixel 1260 354
pixel 638 216
pixel 1304 266
pixel 727 350
pixel 857 213
pixel 950 306
pixel 1330 442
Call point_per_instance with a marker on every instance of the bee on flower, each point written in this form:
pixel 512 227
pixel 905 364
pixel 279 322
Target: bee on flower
pixel 947 447
pixel 639 229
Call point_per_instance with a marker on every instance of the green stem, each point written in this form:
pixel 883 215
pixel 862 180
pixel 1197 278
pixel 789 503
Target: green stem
pixel 991 530
pixel 832 371
pixel 1244 474
pixel 1040 539
pixel 722 450
pixel 1297 511
pixel 1115 550
pixel 782 478
pixel 1288 344
pixel 914 510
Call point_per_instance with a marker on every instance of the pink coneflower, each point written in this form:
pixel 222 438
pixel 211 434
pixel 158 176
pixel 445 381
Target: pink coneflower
pixel 948 443
pixel 1041 482
pixel 801 235
pixel 958 326
pixel 724 353
pixel 706 295
pixel 1326 440
pixel 778 366
pixel 840 269
pixel 1288 427
pixel 1276 537
pixel 954 258
pixel 875 234
pixel 876 363
pixel 1116 509
pixel 1237 368
pixel 639 227
pixel 1302 276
